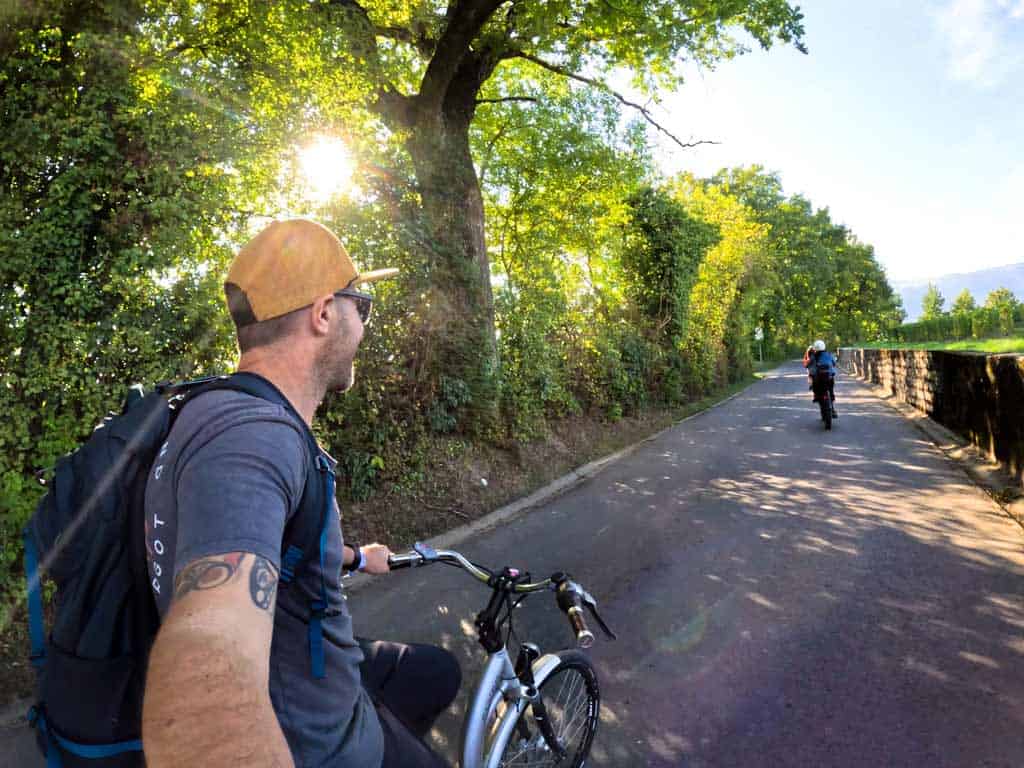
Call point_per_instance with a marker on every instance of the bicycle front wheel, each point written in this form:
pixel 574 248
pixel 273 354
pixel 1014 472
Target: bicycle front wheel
pixel 573 703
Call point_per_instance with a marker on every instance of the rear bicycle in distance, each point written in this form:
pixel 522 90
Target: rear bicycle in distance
pixel 822 387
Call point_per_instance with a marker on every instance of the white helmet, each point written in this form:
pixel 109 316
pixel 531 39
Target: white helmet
pixel 819 346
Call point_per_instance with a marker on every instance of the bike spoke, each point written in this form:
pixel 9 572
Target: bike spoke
pixel 569 714
pixel 510 763
pixel 577 730
pixel 577 680
pixel 540 761
pixel 532 744
pixel 579 715
pixel 561 688
pixel 570 722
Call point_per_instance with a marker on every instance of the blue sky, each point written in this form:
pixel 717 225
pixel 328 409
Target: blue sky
pixel 906 120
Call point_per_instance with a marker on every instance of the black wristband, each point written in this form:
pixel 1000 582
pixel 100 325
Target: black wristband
pixel 357 560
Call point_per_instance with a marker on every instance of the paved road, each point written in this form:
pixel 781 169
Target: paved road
pixel 783 596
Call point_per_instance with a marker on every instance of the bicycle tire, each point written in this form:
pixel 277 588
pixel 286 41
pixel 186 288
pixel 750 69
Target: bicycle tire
pixel 826 411
pixel 562 688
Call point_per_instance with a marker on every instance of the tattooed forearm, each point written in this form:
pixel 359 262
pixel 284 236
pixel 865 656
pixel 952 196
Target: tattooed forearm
pixel 263 583
pixel 207 573
pixel 217 570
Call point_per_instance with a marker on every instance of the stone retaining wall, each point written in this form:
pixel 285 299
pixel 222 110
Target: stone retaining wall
pixel 979 396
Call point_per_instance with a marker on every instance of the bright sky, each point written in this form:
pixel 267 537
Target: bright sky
pixel 906 120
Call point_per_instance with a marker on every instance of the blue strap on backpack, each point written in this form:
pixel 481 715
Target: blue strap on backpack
pixel 36 631
pixel 306 532
pixel 91 542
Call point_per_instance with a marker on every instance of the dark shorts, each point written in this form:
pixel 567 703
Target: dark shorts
pixel 410 686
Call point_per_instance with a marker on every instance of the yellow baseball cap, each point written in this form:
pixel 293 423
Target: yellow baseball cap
pixel 288 266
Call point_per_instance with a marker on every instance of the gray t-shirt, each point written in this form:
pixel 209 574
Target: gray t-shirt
pixel 229 477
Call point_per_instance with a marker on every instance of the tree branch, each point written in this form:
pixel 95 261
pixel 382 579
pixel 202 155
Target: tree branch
pixel 395 107
pixel 506 98
pixel 465 19
pixel 559 70
pixel 487 153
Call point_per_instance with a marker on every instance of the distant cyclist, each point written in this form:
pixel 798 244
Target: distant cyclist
pixel 821 361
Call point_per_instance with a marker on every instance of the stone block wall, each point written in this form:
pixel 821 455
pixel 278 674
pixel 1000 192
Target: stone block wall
pixel 981 397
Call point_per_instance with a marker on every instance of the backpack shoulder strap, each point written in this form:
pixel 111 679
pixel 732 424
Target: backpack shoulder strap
pixel 302 533
pixel 305 535
pixel 36 628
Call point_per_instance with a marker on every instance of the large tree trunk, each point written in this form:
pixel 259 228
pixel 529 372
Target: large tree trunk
pixel 460 358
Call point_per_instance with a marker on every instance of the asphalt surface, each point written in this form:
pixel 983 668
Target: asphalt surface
pixel 783 596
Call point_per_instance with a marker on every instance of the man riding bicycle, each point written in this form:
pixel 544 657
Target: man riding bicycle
pixel 230 679
pixel 821 362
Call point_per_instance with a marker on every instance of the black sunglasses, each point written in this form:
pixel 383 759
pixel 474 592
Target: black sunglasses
pixel 364 302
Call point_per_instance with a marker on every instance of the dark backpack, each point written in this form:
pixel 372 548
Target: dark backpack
pixel 89 530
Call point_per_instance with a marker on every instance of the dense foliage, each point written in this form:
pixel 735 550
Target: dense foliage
pixel 820 281
pixel 145 141
pixel 964 303
pixel 932 304
pixel 1000 315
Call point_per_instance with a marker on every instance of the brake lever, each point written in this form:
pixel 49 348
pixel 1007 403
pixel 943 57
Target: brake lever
pixel 591 603
pixel 428 553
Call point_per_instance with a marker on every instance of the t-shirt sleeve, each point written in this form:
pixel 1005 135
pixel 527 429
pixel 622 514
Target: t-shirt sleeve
pixel 237 490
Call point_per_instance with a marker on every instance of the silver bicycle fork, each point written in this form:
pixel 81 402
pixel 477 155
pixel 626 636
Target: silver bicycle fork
pixel 498 683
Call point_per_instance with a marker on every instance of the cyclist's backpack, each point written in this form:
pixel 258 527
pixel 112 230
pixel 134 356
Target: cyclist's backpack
pixel 89 531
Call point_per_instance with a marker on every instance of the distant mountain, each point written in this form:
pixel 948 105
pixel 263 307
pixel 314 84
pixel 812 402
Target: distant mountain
pixel 978 283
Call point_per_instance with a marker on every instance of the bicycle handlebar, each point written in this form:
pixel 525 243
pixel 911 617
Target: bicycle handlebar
pixel 424 555
pixel 571 597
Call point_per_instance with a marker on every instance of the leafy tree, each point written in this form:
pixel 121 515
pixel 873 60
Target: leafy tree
pixel 727 285
pixel 932 303
pixel 961 312
pixel 113 213
pixel 1004 304
pixel 964 303
pixel 1000 297
pixel 662 250
pixel 862 303
pixel 556 174
pixel 997 316
pixel 821 281
pixel 430 70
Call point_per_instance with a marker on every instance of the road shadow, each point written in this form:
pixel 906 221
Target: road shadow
pixel 783 595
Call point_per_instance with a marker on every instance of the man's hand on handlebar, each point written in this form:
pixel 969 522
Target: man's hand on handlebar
pixel 376 558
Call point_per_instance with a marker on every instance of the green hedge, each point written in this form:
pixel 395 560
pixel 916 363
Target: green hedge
pixel 981 323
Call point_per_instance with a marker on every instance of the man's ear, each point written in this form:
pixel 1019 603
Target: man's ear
pixel 323 313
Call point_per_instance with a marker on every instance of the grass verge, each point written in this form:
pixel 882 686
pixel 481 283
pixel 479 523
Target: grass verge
pixel 998 346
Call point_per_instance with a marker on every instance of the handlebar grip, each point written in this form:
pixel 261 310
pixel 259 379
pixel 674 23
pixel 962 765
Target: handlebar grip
pixel 397 562
pixel 584 637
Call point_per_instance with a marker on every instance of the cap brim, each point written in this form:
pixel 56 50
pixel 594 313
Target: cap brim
pixel 374 276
